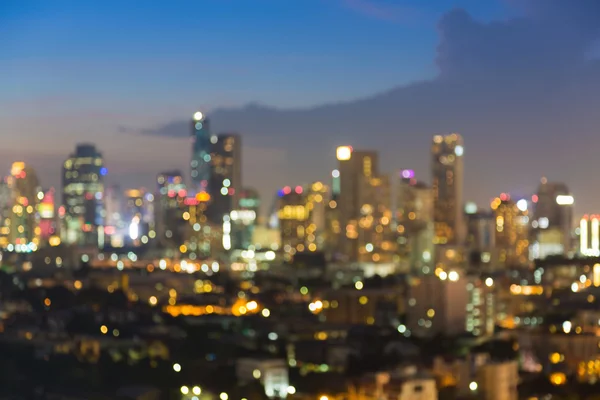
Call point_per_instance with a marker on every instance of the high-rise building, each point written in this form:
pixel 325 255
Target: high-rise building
pixel 83 192
pixel 170 227
pixel 317 198
pixel 481 235
pixel 225 181
pixel 201 152
pixel 364 207
pixel 447 185
pixel 589 235
pixel 552 224
pixel 293 219
pixel 414 223
pixel 244 219
pixel 24 231
pixel 7 200
pixel 46 212
pixel 138 214
pixel 511 237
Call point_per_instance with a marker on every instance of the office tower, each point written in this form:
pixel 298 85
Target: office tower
pixel 46 212
pixel 481 235
pixel 83 192
pixel 511 238
pixel 293 217
pixel 7 200
pixel 198 238
pixel 225 181
pixel 244 219
pixel 447 168
pixel 481 306
pixel 364 203
pixel 552 223
pixel 115 227
pixel 170 227
pixel 138 215
pixel 333 229
pixel 316 204
pixel 24 231
pixel 589 235
pixel 414 223
pixel 201 149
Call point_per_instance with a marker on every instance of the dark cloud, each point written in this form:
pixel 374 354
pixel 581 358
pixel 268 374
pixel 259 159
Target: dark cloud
pixel 520 91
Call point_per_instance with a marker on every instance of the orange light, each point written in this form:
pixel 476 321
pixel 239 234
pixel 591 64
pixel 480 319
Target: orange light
pixel 203 197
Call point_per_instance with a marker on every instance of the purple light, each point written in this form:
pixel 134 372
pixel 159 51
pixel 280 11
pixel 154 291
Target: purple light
pixel 408 174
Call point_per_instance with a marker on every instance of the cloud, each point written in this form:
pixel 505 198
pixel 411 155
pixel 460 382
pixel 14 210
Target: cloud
pixel 385 11
pixel 520 91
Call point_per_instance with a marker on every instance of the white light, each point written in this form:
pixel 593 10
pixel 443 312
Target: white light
pixel 489 282
pixel 522 205
pixel 176 367
pixel 453 276
pixel 291 390
pixel 443 275
pixel 162 264
pixel 564 200
pixel 343 153
pixel 223 396
pixel 470 208
pixel 256 374
pixel 226 183
pixel 335 173
pixel 185 390
pixel 459 150
pixel 369 247
pixel 575 287
pixel 270 255
pixel 401 328
pixel 134 230
pixel 567 325
pixel 265 312
pixel 198 116
pixel 582 278
pixel 196 390
pixel 473 386
pixel 543 223
pixel 273 336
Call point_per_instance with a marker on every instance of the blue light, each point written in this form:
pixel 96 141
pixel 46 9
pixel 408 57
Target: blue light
pixel 280 193
pixel 103 171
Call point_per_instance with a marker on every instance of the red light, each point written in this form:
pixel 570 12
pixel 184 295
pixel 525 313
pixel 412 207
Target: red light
pixel 171 193
pixel 88 196
pixel 299 189
pixel 191 201
pixel 534 198
pixel 182 193
pixel 287 190
pixel 231 191
pixel 503 197
pixel 109 230
pixel 61 211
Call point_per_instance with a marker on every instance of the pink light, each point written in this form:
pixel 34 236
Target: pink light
pixel 534 198
pixel 503 197
pixel 299 189
pixel 287 190
pixel 182 193
pixel 231 191
pixel 171 193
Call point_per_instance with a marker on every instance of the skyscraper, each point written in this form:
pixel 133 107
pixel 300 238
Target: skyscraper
pixel 414 218
pixel 511 238
pixel 169 208
pixel 552 223
pixel 293 219
pixel 447 185
pixel 355 171
pixel 24 231
pixel 201 149
pixel 83 192
pixel 244 219
pixel 225 179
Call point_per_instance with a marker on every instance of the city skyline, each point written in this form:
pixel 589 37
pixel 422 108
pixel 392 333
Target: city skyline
pixel 533 129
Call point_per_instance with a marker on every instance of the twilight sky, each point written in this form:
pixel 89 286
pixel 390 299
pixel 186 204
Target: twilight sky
pixel 518 79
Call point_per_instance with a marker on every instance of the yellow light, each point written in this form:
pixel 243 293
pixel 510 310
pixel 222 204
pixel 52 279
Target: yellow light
pixel 343 153
pixel 183 248
pixel 196 390
pixel 363 300
pixel 77 285
pixel 431 313
pixel 153 300
pixel 176 367
pixel 358 285
pixel 558 378
pixel 555 358
pixel 323 398
pixel 251 306
pixel 186 215
pixel 265 312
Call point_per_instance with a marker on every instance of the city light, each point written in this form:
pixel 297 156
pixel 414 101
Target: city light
pixel 473 386
pixel 564 200
pixel 343 153
pixel 522 205
pixel 198 116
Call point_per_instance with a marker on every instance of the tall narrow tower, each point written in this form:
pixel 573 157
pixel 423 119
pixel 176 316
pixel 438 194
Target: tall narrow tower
pixel 201 148
pixel 447 168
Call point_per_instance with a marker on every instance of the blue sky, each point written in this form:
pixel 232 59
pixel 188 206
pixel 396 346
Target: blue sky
pixel 81 71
